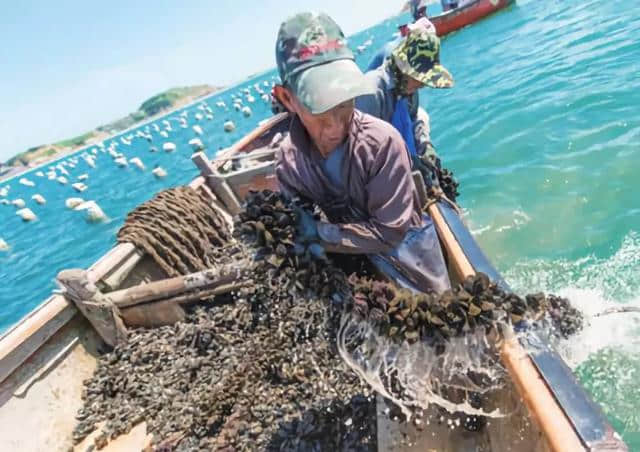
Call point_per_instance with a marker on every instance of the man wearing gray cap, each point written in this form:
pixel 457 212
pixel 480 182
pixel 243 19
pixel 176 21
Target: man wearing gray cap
pixel 353 166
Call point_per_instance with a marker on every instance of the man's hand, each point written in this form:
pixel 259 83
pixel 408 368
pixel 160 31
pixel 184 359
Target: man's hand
pixel 308 240
pixel 306 227
pixel 427 163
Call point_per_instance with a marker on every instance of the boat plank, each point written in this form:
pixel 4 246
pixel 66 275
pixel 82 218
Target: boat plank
pixel 32 332
pixel 536 395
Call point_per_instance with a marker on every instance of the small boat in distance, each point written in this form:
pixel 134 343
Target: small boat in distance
pixel 464 13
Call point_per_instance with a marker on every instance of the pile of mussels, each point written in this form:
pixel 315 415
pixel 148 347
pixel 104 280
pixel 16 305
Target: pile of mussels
pixel 260 370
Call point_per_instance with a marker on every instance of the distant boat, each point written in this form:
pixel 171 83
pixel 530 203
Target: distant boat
pixel 466 14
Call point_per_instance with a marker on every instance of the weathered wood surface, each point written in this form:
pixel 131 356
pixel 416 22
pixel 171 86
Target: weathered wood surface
pixel 542 405
pixel 102 313
pixel 170 287
pixel 32 332
pixel 217 183
pixel 150 304
pixel 137 440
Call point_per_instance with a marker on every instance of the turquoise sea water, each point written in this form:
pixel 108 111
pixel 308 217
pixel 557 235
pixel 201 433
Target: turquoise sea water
pixel 542 130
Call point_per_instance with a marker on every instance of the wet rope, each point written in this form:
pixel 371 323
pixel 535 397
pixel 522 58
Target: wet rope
pixel 179 229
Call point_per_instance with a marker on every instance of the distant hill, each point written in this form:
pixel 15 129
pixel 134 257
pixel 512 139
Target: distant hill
pixel 156 105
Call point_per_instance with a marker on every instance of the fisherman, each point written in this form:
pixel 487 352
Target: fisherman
pixel 413 65
pixel 353 166
pixel 420 19
pixel 448 5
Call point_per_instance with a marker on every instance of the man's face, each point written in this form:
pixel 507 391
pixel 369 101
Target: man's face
pixel 327 130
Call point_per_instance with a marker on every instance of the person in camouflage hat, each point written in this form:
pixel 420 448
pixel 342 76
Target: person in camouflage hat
pixel 418 58
pixel 414 64
pixel 353 166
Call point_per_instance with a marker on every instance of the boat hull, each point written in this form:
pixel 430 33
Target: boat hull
pixel 461 17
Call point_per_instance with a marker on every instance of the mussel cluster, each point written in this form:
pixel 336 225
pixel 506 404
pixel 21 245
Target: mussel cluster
pixel 476 302
pixel 258 370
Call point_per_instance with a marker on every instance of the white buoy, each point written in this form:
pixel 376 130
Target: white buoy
pixel 79 187
pixel 19 203
pixel 26 182
pixel 26 214
pixel 39 199
pixel 159 172
pixel 196 144
pixel 4 246
pixel 169 147
pixel 94 213
pixel 197 130
pixel 137 163
pixel 72 203
pixel 121 162
pixel 246 111
pixel 39 174
pixel 83 177
pixel 229 126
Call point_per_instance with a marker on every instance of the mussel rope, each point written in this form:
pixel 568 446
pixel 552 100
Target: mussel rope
pixel 179 229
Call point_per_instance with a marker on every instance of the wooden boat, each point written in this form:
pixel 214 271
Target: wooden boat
pixel 45 357
pixel 467 14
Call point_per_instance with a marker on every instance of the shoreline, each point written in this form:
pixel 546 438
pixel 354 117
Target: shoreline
pixel 144 122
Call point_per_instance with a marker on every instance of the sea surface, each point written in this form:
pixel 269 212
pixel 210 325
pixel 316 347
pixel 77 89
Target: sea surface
pixel 542 130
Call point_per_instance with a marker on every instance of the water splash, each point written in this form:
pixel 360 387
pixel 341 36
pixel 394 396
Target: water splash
pixel 414 376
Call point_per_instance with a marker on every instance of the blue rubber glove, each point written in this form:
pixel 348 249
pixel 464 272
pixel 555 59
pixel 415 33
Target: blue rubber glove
pixel 306 227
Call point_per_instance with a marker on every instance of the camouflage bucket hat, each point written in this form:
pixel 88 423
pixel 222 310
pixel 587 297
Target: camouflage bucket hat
pixel 418 56
pixel 315 62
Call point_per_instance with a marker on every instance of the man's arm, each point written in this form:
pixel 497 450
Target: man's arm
pixel 421 126
pixel 390 204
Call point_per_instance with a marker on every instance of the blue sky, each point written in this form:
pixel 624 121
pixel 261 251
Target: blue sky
pixel 68 66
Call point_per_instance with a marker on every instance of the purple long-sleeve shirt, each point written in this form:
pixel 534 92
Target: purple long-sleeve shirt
pixel 378 203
